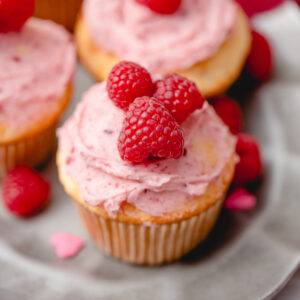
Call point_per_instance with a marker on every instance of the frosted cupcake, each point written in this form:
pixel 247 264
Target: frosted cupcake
pixel 61 11
pixel 37 67
pixel 206 41
pixel 147 189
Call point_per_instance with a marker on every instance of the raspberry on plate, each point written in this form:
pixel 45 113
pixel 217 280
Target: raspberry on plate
pixel 24 191
pixel 179 95
pixel 149 130
pixel 14 13
pixel 240 199
pixel 165 7
pixel 229 111
pixel 260 61
pixel 127 81
pixel 250 166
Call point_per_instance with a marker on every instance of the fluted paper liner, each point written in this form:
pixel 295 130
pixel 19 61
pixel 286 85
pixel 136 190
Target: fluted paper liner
pixel 150 245
pixel 61 11
pixel 31 150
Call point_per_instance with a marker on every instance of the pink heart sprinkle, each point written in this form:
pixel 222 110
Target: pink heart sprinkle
pixel 240 199
pixel 66 245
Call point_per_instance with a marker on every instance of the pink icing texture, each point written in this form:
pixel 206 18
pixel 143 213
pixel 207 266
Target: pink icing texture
pixel 160 42
pixel 88 143
pixel 37 64
pixel 66 245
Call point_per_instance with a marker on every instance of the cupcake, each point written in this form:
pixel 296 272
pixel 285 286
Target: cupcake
pixel 147 188
pixel 205 41
pixel 37 67
pixel 60 11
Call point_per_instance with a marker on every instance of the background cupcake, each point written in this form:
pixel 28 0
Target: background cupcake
pixel 206 41
pixel 37 67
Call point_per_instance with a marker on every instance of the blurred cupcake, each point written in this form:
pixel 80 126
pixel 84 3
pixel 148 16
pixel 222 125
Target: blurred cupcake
pixel 206 41
pixel 60 11
pixel 155 211
pixel 36 71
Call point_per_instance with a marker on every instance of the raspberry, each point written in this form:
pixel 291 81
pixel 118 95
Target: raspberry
pixel 260 62
pixel 165 7
pixel 24 191
pixel 250 165
pixel 229 111
pixel 253 7
pixel 128 81
pixel 179 95
pixel 14 13
pixel 149 130
pixel 240 199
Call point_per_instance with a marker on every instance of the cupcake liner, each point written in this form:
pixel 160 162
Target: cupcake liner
pixel 60 11
pixel 150 245
pixel 31 150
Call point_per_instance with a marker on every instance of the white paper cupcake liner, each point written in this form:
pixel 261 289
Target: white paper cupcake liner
pixel 150 245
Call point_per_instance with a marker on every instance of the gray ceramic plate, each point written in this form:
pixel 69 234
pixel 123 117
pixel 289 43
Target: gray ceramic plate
pixel 248 255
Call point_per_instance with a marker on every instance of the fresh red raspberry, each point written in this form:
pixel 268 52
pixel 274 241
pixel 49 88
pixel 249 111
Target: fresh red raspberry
pixel 179 95
pixel 14 13
pixel 250 166
pixel 240 199
pixel 165 7
pixel 229 111
pixel 260 60
pixel 128 81
pixel 24 191
pixel 252 7
pixel 149 131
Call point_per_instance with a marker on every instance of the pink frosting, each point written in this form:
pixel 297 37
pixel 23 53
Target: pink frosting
pixel 160 42
pixel 88 143
pixel 36 65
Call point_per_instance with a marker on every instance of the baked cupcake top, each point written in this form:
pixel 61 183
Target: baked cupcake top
pixel 160 42
pixel 88 148
pixel 36 66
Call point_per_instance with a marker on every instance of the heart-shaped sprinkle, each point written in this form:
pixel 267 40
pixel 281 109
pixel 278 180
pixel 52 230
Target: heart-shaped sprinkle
pixel 240 199
pixel 66 245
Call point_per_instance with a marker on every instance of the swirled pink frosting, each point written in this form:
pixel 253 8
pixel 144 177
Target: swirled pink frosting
pixel 36 65
pixel 160 42
pixel 88 145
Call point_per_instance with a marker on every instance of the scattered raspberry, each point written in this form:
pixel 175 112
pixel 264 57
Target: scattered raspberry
pixel 14 13
pixel 149 130
pixel 179 95
pixel 229 111
pixel 260 61
pixel 165 7
pixel 250 165
pixel 252 7
pixel 240 199
pixel 24 191
pixel 128 81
